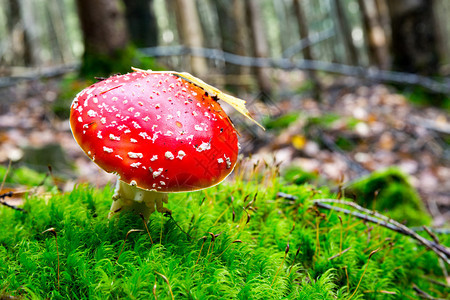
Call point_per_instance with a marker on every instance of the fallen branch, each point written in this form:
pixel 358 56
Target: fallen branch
pixel 310 65
pixel 9 194
pixel 379 219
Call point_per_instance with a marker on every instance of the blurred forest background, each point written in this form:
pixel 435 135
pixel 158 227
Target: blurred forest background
pixel 344 87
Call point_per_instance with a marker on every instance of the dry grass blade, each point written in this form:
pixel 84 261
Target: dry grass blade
pixel 146 227
pixel 233 242
pixel 126 236
pixel 6 175
pixel 364 272
pixel 167 281
pixel 281 265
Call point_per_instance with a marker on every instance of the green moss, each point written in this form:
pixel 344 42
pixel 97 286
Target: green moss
pixel 280 122
pixel 246 260
pixel 21 176
pixel 299 176
pixel 390 192
pixel 99 65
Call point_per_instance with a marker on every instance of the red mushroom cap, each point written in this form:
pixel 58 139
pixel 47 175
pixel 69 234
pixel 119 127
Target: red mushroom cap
pixel 156 131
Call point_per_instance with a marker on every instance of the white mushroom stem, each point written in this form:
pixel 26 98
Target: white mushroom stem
pixel 130 197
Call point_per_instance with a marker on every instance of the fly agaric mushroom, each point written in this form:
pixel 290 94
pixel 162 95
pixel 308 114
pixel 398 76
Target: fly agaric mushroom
pixel 160 132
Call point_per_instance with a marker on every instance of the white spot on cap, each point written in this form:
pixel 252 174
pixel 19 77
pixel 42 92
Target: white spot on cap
pixel 169 155
pixel 107 150
pixel 135 155
pixel 154 157
pixel 91 113
pixel 135 165
pixel 146 119
pixel 114 99
pixel 162 183
pixel 80 119
pixel 114 138
pixel 204 146
pixel 120 157
pixel 103 120
pixel 220 160
pixel 181 154
pixel 228 160
pixel 136 125
pixel 99 135
pixel 157 173
pixel 133 140
pixel 198 128
pixel 144 135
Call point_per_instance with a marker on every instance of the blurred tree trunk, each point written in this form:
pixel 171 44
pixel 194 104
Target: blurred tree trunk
pixel 414 42
pixel 374 34
pixel 346 33
pixel 141 22
pixel 307 53
pixel 16 34
pixel 190 32
pixel 233 33
pixel 31 33
pixel 104 32
pixel 259 42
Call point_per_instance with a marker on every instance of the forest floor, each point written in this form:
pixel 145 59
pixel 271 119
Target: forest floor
pixel 353 132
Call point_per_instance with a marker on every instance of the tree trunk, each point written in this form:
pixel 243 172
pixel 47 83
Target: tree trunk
pixel 141 22
pixel 103 26
pixel 260 44
pixel 414 42
pixel 346 33
pixel 191 34
pixel 374 34
pixel 307 51
pixel 105 35
pixel 233 31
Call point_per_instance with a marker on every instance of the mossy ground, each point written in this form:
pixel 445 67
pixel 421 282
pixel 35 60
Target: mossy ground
pixel 245 260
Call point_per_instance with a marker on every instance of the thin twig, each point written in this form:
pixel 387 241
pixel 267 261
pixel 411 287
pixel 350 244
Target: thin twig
pixel 176 223
pixel 339 254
